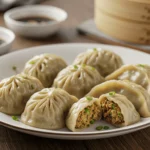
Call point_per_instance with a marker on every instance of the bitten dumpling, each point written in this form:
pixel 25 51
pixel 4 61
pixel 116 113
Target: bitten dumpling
pixel 118 110
pixel 132 73
pixel 47 109
pixel 83 113
pixel 45 67
pixel 135 93
pixel 16 91
pixel 103 60
pixel 78 79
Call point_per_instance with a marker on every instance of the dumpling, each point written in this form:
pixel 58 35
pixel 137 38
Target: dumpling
pixel 118 110
pixel 134 73
pixel 78 79
pixel 83 113
pixel 135 93
pixel 16 91
pixel 103 60
pixel 48 108
pixel 145 68
pixel 45 67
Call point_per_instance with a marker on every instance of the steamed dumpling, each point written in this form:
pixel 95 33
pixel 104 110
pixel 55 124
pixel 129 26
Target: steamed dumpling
pixel 134 73
pixel 135 93
pixel 104 61
pixel 118 110
pixel 78 79
pixel 83 113
pixel 16 91
pixel 47 108
pixel 45 67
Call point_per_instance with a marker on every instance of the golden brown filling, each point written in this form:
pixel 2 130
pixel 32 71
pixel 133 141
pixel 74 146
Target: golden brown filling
pixel 111 112
pixel 88 116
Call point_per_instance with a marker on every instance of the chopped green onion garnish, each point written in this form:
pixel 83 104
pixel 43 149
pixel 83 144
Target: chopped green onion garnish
pixel 119 114
pixel 92 121
pixel 32 87
pixel 89 98
pixel 94 49
pixel 86 110
pixel 14 68
pixel 113 106
pixel 93 68
pixel 75 67
pixel 83 65
pixel 99 128
pixel 106 127
pixel 112 93
pixel 32 62
pixel 141 65
pixel 15 118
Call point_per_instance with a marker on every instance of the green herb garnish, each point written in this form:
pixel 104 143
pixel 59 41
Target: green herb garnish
pixel 106 127
pixel 32 87
pixel 94 49
pixel 99 128
pixel 92 121
pixel 89 98
pixel 83 65
pixel 93 68
pixel 141 65
pixel 113 106
pixel 32 62
pixel 14 68
pixel 15 118
pixel 112 93
pixel 75 67
pixel 119 114
pixel 86 110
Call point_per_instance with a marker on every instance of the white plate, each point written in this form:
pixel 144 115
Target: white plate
pixel 68 52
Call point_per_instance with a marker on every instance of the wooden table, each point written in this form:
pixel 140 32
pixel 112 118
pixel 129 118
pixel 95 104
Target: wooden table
pixel 79 10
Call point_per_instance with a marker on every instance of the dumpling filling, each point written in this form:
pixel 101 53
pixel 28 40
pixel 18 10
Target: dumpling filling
pixel 111 112
pixel 88 116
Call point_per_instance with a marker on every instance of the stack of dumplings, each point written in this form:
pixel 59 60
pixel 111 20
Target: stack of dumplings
pixel 97 86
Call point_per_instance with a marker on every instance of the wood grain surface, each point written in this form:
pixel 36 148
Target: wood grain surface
pixel 79 10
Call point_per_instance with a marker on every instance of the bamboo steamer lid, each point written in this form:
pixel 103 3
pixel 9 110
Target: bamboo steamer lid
pixel 128 31
pixel 141 1
pixel 136 10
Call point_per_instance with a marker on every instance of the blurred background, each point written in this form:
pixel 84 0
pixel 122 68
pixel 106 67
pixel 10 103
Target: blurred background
pixel 77 10
pixel 116 22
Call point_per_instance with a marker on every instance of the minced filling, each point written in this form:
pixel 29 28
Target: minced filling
pixel 88 116
pixel 111 112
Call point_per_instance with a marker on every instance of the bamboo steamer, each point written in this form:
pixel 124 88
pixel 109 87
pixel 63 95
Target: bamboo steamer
pixel 141 1
pixel 129 31
pixel 136 10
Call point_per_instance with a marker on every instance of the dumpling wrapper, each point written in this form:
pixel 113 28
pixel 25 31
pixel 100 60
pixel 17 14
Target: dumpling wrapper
pixel 132 73
pixel 78 80
pixel 45 67
pixel 77 108
pixel 48 108
pixel 135 93
pixel 103 60
pixel 128 110
pixel 16 91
